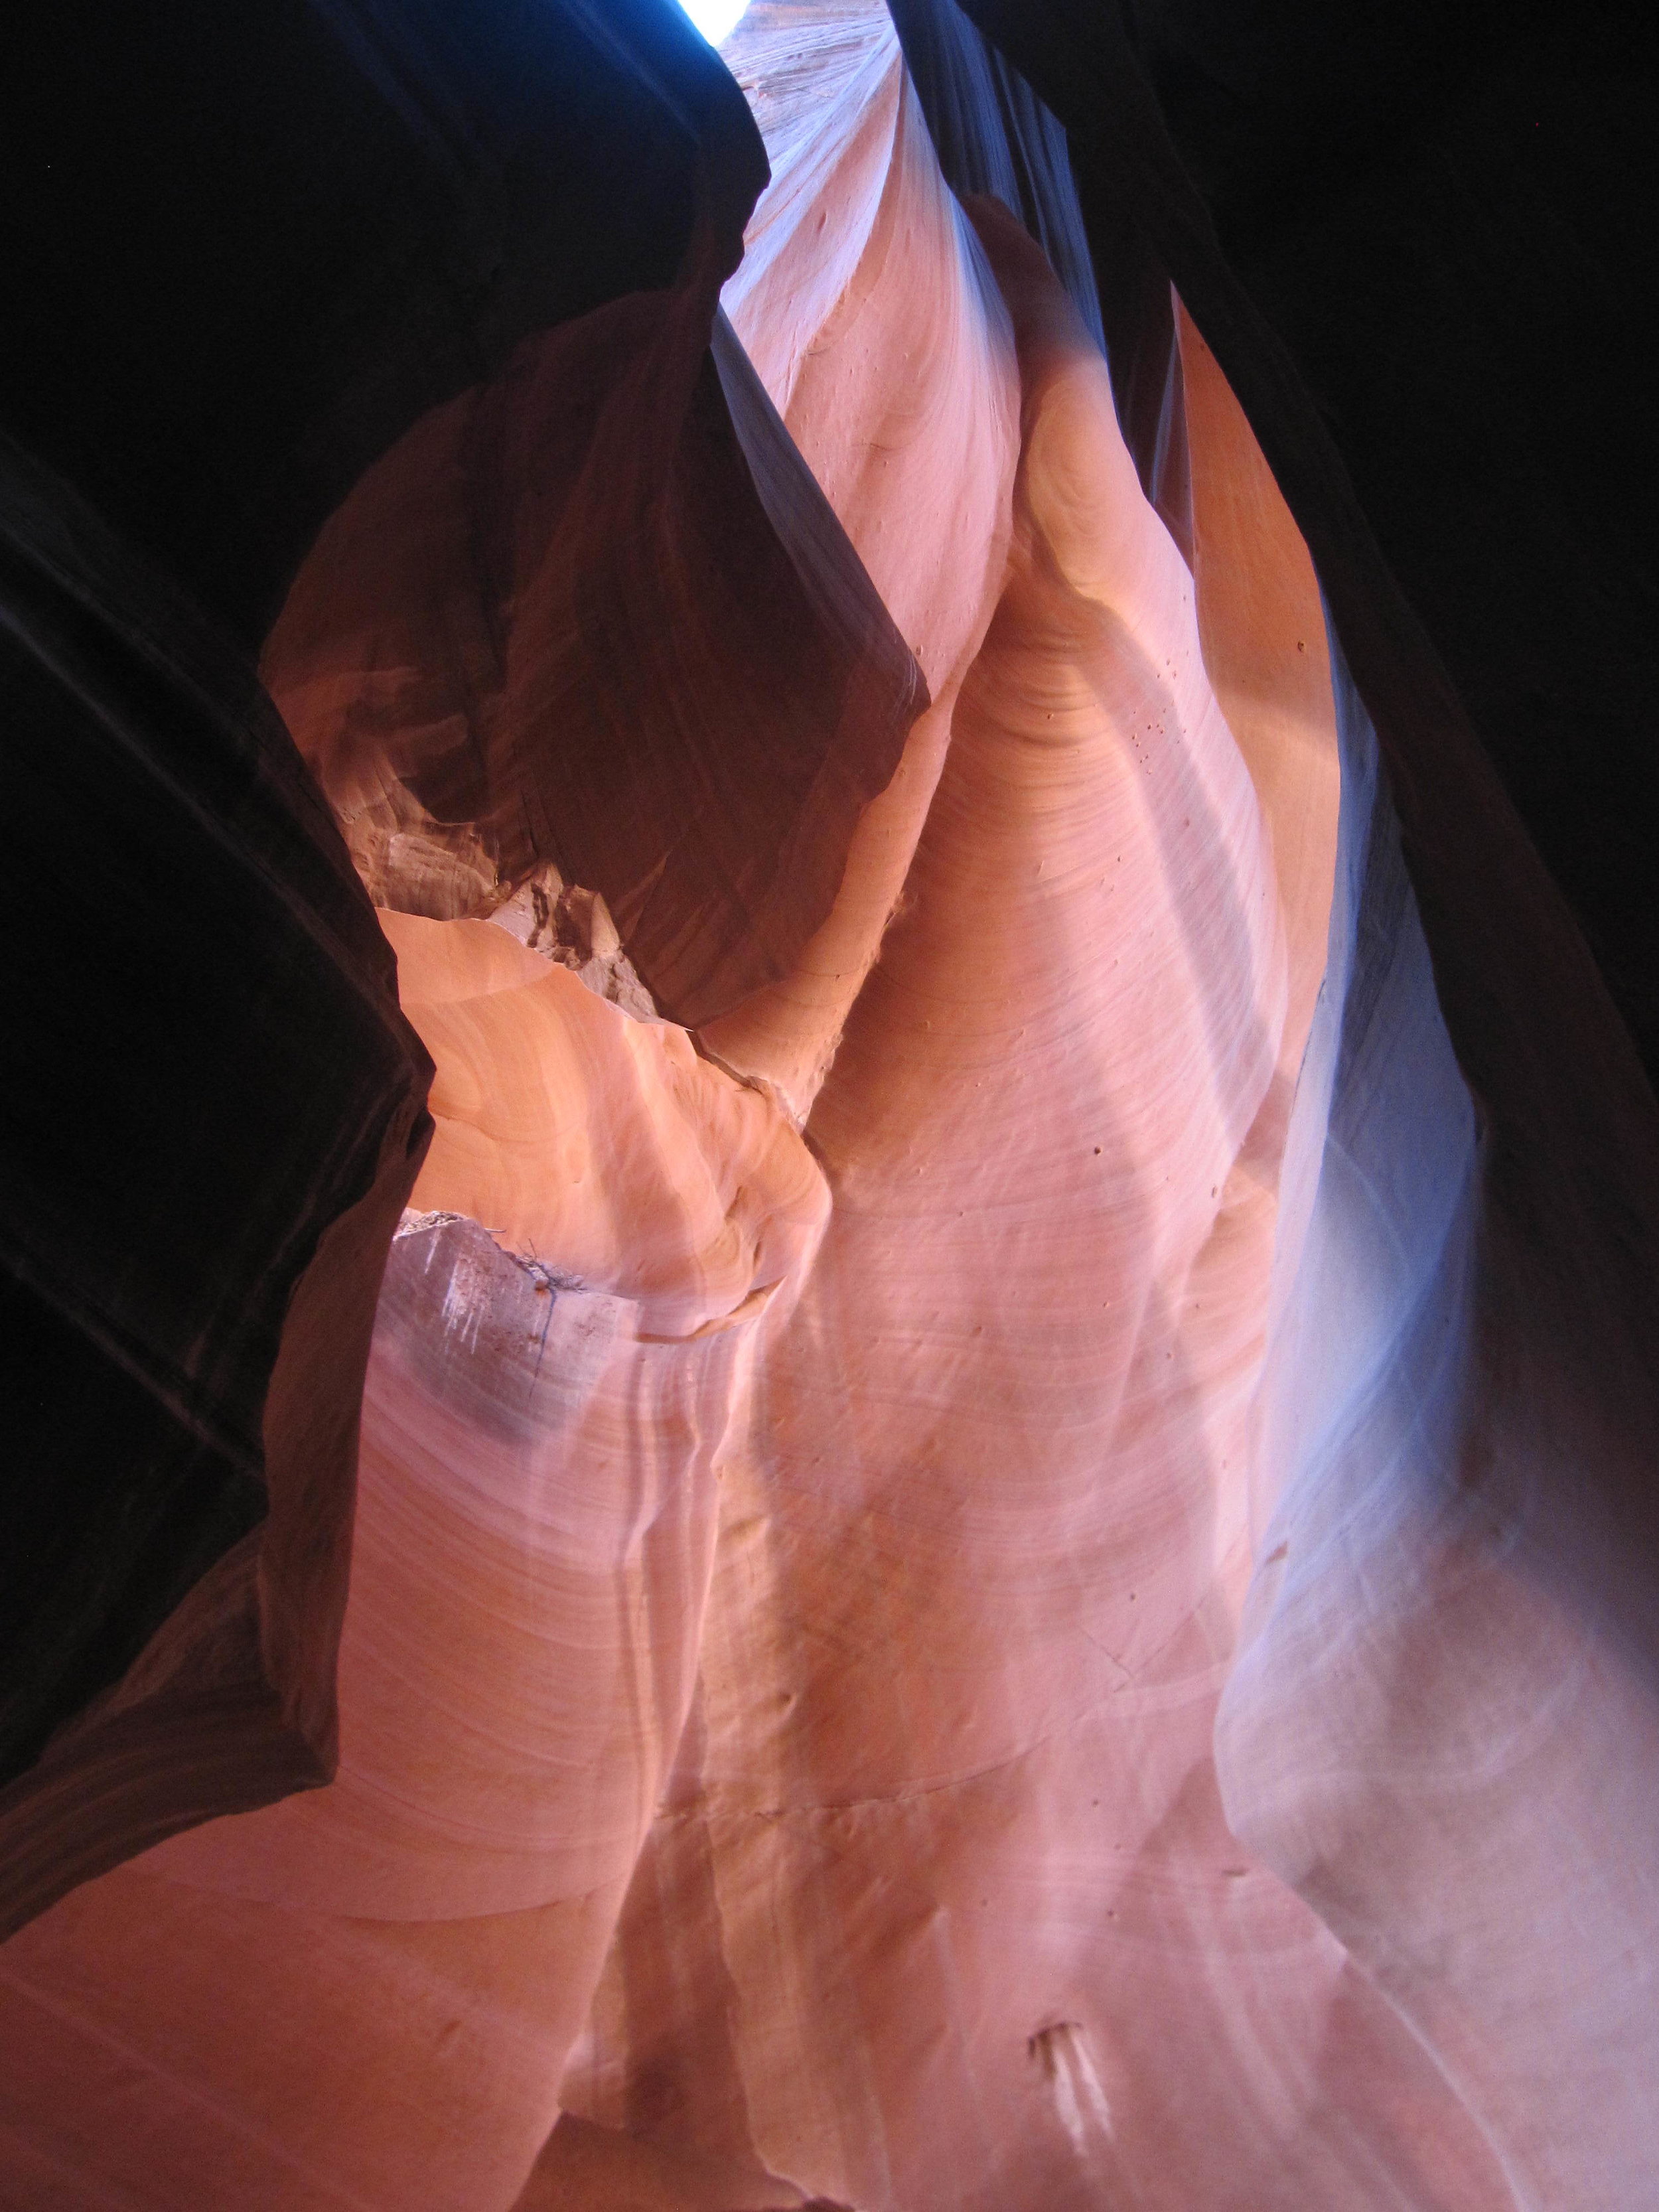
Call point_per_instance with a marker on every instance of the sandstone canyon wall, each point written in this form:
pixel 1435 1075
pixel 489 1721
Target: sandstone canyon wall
pixel 970 1529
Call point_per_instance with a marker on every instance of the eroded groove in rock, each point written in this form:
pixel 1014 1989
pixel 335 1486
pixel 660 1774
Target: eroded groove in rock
pixel 558 625
pixel 866 306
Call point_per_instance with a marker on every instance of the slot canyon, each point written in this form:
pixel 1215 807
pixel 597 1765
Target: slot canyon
pixel 832 1176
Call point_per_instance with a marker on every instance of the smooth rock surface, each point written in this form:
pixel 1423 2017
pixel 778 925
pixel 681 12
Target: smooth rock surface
pixel 999 1554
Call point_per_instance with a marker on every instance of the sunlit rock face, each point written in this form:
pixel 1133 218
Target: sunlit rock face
pixel 979 1585
pixel 956 1600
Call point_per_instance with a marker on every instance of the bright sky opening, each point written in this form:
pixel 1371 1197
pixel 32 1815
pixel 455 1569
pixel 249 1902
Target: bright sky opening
pixel 715 19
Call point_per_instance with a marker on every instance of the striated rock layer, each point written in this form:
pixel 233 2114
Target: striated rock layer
pixel 542 1449
pixel 949 1783
pixel 963 1594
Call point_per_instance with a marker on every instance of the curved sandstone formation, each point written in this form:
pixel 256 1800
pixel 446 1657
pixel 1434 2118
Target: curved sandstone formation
pixel 543 1442
pixel 962 1597
pixel 569 619
pixel 979 1591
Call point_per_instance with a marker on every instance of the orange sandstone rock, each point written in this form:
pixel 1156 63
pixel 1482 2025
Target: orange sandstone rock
pixel 808 1467
pixel 366 1995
